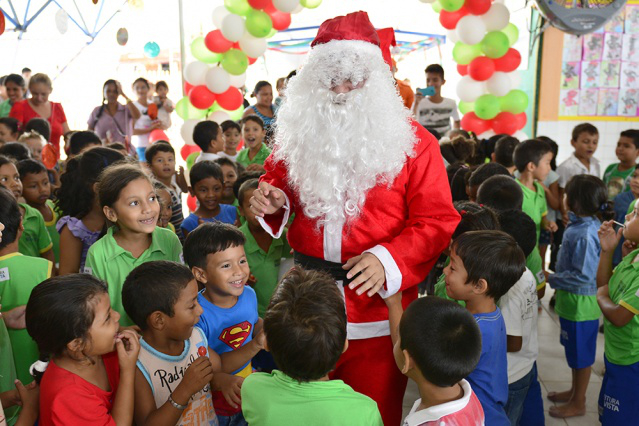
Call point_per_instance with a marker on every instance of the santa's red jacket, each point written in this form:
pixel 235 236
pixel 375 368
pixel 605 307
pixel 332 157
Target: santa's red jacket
pixel 406 225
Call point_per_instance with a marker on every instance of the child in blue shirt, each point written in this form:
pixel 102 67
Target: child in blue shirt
pixel 484 265
pixel 215 254
pixel 207 185
pixel 575 282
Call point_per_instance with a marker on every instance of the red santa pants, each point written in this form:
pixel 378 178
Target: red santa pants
pixel 368 366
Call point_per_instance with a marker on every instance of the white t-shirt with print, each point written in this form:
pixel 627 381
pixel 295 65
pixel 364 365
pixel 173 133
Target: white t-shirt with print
pixel 437 116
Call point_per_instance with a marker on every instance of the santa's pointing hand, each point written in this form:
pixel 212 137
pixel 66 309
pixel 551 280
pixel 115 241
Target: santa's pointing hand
pixel 266 199
pixel 371 273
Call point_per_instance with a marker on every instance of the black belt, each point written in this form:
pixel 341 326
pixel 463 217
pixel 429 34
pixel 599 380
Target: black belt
pixel 334 269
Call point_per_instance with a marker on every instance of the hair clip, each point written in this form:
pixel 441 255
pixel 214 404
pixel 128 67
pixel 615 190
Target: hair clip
pixel 39 366
pixel 603 207
pixel 463 212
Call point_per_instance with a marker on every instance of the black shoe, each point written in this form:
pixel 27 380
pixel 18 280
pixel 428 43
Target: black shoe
pixel 553 300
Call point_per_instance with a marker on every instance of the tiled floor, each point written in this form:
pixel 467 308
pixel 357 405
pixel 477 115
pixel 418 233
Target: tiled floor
pixel 554 373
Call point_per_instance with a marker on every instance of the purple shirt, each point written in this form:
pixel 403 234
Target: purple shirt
pixel 119 125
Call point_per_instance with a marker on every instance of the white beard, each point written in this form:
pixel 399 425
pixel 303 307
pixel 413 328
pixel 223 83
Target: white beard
pixel 338 146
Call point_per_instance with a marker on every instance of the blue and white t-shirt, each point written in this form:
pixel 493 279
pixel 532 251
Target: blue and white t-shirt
pixel 227 214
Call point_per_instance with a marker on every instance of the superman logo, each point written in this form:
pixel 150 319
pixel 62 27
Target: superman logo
pixel 235 335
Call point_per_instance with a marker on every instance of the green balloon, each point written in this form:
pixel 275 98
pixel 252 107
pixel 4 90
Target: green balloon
pixel 515 101
pixel 310 4
pixel 487 107
pixel 451 5
pixel 463 53
pixel 272 33
pixel 190 160
pixel 512 32
pixel 201 53
pixel 258 23
pixel 495 44
pixel 235 62
pixel 239 7
pixel 437 6
pixel 466 107
pixel 187 111
pixel 237 114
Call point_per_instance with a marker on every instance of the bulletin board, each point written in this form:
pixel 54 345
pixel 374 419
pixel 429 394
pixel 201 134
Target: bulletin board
pixel 599 78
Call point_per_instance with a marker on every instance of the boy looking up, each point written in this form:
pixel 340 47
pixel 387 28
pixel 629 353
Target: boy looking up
pixel 208 136
pixel 484 265
pixel 232 137
pixel 617 176
pixel 435 111
pixel 305 328
pixel 439 344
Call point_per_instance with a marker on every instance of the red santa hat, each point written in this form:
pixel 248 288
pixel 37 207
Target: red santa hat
pixel 387 40
pixel 354 26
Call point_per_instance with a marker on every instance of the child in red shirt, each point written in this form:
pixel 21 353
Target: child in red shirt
pixel 91 364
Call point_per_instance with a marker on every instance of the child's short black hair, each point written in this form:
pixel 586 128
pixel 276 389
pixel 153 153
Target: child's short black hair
pixel 632 134
pixel 243 177
pixel 210 238
pixel 12 124
pixel 493 256
pixel 247 187
pixel 521 227
pixel 305 324
pixel 40 125
pixel 500 193
pixel 458 174
pixel 15 150
pixel 583 128
pixel 117 146
pixel 161 83
pixel 255 119
pixel 223 161
pixel 81 139
pixel 504 149
pixel 205 132
pixel 587 195
pixel 154 286
pixel 203 170
pixel 486 171
pixel 442 337
pixel 474 218
pixel 230 124
pixel 158 146
pixel 553 147
pixel 435 69
pixel 30 166
pixel 530 151
pixel 10 217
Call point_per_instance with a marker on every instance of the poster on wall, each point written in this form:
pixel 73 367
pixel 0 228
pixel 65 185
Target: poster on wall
pixel 588 102
pixel 609 76
pixel 630 50
pixel 569 102
pixel 570 75
pixel 572 48
pixel 628 99
pixel 593 47
pixel 631 25
pixel 612 46
pixel 590 71
pixel 608 101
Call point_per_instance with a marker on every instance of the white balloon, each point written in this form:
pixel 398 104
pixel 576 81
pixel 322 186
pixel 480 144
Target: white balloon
pixel 187 131
pixel 499 84
pixel 487 134
pixel 497 17
pixel 452 35
pixel 238 80
pixel 471 29
pixel 218 80
pixel 195 73
pixel 427 1
pixel 62 21
pixel 254 47
pixel 299 8
pixel 219 13
pixel 515 79
pixel 468 90
pixel 233 27
pixel 286 6
pixel 219 117
pixel 519 134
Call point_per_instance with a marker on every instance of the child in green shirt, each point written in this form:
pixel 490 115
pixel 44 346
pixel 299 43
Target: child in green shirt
pixel 19 274
pixel 254 155
pixel 617 176
pixel 36 191
pixel 131 206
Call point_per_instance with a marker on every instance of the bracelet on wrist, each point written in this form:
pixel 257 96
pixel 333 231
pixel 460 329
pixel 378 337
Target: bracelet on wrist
pixel 175 404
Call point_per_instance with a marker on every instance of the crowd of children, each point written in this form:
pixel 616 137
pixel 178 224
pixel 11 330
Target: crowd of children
pixel 127 312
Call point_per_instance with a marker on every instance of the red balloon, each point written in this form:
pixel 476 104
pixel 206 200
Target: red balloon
pixel 281 20
pixel 449 19
pixel 216 42
pixel 191 203
pixel 187 88
pixel 462 69
pixel 230 100
pixel 188 150
pixel 475 124
pixel 201 97
pixel 521 119
pixel 157 135
pixel 509 62
pixel 477 7
pixel 251 60
pixel 236 45
pixel 481 68
pixel 505 122
pixel 270 8
pixel 2 22
pixel 260 4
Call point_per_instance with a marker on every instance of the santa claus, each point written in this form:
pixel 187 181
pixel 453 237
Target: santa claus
pixel 369 191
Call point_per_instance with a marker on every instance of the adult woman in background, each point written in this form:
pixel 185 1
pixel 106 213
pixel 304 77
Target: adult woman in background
pixel 112 121
pixel 39 105
pixel 263 107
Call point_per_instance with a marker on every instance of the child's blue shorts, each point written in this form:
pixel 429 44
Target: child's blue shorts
pixel 579 339
pixel 618 396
